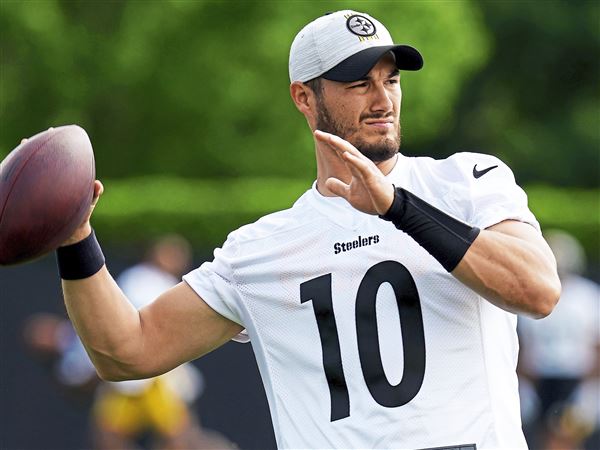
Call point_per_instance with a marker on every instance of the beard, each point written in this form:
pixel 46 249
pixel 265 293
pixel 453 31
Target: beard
pixel 381 151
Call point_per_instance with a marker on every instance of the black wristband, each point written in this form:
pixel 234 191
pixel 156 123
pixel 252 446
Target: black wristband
pixel 445 238
pixel 80 260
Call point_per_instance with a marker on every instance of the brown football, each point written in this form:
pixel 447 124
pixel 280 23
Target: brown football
pixel 46 188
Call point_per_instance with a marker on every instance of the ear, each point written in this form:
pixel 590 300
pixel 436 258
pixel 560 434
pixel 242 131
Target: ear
pixel 303 97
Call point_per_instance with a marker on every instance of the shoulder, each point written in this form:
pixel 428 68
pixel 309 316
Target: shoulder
pixel 457 177
pixel 468 167
pixel 466 177
pixel 273 227
pixel 477 188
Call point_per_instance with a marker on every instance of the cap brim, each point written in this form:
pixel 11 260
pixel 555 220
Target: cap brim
pixel 357 66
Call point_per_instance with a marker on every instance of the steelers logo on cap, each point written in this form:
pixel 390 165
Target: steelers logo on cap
pixel 360 25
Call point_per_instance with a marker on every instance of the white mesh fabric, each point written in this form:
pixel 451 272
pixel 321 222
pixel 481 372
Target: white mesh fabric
pixel 469 390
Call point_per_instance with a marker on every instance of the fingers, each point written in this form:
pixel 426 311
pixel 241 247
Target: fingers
pixel 361 168
pixel 337 143
pixel 358 166
pixel 338 187
pixel 358 163
pixel 328 150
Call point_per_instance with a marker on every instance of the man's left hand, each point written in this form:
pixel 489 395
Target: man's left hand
pixel 369 190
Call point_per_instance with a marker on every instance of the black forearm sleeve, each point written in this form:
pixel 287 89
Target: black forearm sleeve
pixel 444 237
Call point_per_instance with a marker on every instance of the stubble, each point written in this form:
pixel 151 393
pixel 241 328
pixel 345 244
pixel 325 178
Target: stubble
pixel 383 150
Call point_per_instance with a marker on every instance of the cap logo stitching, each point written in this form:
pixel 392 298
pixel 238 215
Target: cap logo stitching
pixel 360 25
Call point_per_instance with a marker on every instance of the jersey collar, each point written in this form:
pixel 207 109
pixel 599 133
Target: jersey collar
pixel 339 211
pixel 336 209
pixel 400 172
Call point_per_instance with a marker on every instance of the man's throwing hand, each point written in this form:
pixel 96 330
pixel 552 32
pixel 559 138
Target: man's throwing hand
pixel 368 191
pixel 85 228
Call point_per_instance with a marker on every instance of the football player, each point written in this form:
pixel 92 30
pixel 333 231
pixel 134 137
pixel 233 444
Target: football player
pixel 382 306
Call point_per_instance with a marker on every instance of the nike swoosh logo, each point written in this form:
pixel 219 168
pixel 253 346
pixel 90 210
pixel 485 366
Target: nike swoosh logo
pixel 480 173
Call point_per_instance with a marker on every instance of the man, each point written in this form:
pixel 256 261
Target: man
pixel 365 335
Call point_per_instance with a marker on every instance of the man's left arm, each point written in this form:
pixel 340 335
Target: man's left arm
pixel 509 263
pixel 512 266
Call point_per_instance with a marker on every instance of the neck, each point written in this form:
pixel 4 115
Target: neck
pixel 330 165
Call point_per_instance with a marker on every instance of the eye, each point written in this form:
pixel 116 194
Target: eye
pixel 394 81
pixel 359 85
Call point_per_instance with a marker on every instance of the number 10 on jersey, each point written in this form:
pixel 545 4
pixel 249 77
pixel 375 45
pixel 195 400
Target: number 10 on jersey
pixel 413 338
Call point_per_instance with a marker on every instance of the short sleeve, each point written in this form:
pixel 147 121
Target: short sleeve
pixel 214 282
pixel 493 194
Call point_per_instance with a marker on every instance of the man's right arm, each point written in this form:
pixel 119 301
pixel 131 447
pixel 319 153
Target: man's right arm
pixel 124 343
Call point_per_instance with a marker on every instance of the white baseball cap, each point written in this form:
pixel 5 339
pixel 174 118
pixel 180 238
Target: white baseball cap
pixel 344 46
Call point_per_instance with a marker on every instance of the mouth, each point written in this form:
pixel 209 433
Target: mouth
pixel 382 124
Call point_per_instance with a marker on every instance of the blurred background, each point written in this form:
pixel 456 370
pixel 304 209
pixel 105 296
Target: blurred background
pixel 187 106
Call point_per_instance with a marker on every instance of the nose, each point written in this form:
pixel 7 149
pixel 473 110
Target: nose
pixel 382 100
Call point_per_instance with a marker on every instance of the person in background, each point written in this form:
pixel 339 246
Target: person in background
pixel 560 353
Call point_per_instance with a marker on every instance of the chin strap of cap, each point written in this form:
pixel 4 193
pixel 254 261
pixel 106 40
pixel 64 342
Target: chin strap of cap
pixel 445 238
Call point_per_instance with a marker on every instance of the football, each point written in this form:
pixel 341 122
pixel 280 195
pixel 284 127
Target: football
pixel 46 189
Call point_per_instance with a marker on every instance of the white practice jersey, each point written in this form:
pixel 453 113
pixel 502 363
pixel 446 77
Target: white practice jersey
pixel 362 339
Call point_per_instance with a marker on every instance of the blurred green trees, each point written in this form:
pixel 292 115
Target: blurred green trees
pixel 199 90
pixel 536 104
